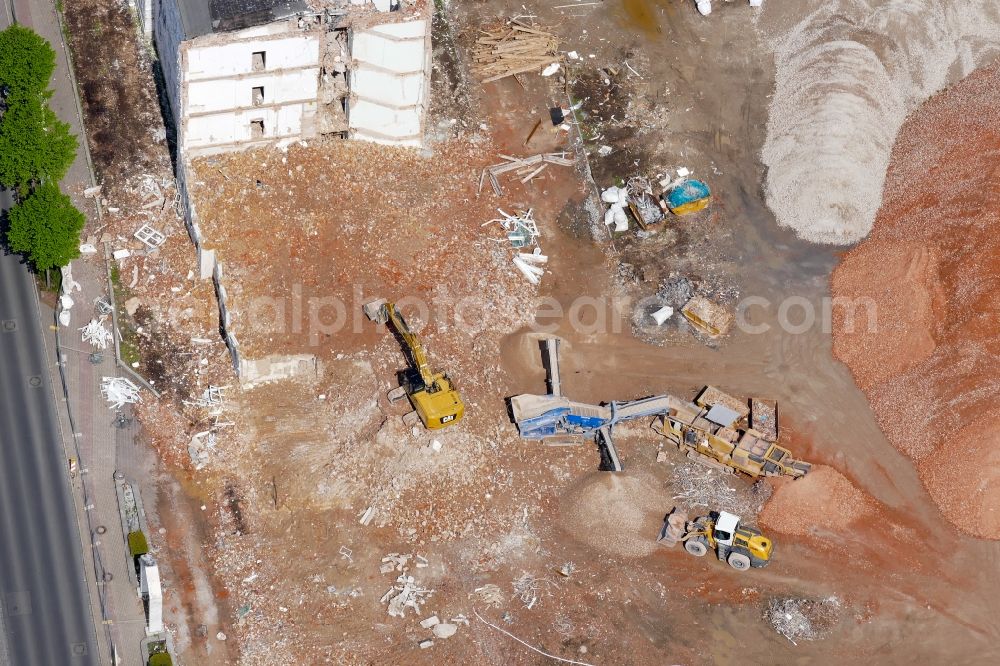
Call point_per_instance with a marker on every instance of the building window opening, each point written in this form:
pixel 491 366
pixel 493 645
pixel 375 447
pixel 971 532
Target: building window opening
pixel 259 61
pixel 256 129
pixel 258 95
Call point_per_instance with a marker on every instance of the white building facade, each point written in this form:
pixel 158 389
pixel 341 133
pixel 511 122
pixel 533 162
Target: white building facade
pixel 248 73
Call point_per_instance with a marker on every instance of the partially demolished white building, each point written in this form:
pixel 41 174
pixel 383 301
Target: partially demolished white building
pixel 241 74
pixel 249 73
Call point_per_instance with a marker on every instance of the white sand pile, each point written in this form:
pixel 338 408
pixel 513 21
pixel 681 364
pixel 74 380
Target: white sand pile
pixel 847 75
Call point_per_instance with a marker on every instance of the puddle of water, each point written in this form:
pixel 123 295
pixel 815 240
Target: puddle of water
pixel 642 14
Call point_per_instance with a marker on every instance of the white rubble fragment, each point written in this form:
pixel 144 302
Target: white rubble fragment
pixel 573 55
pixel 605 150
pixel 444 630
pixel 87 248
pixel 551 69
pixel 199 447
pixel 119 392
pixel 533 257
pixel 705 7
pixel 533 273
pixel 662 315
pixel 424 644
pixel 429 622
pixel 96 334
pixel 121 254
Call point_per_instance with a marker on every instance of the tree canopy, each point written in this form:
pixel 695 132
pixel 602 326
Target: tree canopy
pixel 26 62
pixel 34 145
pixel 46 228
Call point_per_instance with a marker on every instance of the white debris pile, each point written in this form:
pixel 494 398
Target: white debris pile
pixel 530 264
pixel 96 334
pixel 489 594
pixel 803 619
pixel 199 448
pixel 119 392
pixel 618 198
pixel 522 229
pixel 398 562
pixel 525 168
pixel 405 594
pixel 529 589
pixel 700 486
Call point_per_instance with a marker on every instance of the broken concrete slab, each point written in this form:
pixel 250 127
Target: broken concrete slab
pixel 445 630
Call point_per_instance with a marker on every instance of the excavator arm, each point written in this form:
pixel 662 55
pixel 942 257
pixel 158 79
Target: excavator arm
pixel 411 342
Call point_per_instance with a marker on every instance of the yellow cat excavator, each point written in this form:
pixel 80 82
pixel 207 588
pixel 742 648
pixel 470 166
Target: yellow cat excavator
pixel 434 399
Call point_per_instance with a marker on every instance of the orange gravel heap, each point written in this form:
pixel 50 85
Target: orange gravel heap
pixel 930 365
pixel 822 501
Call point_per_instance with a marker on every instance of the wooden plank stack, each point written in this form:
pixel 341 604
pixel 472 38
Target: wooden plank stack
pixel 528 167
pixel 513 49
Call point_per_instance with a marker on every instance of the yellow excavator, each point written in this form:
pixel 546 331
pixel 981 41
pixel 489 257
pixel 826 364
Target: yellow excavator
pixel 739 545
pixel 434 399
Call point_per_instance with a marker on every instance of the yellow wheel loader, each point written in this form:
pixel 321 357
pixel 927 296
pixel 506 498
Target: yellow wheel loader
pixel 741 546
pixel 434 399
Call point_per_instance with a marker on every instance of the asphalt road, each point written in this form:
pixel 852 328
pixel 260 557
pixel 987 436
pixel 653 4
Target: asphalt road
pixel 46 618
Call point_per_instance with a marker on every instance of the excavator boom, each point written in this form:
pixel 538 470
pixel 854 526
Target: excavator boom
pixel 433 397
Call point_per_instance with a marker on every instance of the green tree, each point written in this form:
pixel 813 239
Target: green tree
pixel 34 144
pixel 46 228
pixel 26 61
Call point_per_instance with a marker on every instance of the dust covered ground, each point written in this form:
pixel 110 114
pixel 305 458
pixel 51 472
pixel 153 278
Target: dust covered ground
pixel 515 536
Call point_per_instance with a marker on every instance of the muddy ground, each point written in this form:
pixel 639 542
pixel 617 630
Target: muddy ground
pixel 665 88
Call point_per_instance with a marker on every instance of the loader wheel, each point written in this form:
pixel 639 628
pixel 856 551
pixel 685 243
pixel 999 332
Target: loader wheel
pixel 739 561
pixel 696 547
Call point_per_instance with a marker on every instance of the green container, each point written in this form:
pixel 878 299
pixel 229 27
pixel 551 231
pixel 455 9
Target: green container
pixel 137 544
pixel 163 658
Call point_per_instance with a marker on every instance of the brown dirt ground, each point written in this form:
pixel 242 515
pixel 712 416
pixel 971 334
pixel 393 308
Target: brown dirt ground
pixel 930 268
pixel 287 483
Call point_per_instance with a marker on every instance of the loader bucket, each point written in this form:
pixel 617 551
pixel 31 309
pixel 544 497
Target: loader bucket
pixel 674 528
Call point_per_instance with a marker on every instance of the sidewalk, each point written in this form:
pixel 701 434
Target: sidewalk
pixel 100 446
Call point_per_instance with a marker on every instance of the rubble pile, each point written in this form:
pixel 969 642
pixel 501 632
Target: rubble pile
pixel 348 237
pixel 822 501
pixel 697 485
pixel 803 619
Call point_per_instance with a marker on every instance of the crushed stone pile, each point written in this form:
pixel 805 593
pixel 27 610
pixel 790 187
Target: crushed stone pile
pixel 847 75
pixel 823 500
pixel 929 273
